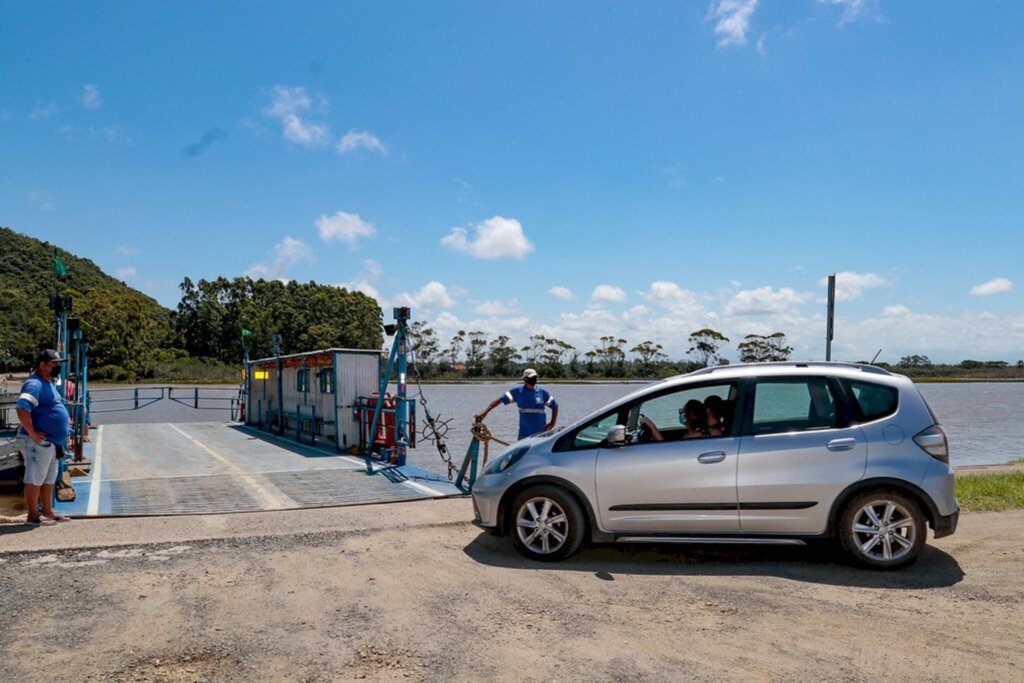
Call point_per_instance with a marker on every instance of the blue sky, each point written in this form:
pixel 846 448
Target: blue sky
pixel 571 169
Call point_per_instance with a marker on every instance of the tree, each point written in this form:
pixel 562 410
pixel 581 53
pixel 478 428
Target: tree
pixel 612 357
pixel 648 355
pixel 551 356
pixel 915 361
pixel 475 353
pixel 756 348
pixel 502 355
pixel 455 347
pixel 705 344
pixel 425 347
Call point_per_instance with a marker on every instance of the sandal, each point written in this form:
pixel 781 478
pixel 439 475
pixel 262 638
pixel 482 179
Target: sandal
pixel 42 521
pixel 59 518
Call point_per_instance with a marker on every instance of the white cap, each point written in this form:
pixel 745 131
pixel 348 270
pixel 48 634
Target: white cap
pixel 529 372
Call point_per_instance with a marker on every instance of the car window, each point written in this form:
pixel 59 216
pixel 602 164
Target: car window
pixel 591 435
pixel 666 411
pixel 793 405
pixel 875 400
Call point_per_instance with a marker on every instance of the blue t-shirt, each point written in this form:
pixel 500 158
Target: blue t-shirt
pixel 532 404
pixel 49 415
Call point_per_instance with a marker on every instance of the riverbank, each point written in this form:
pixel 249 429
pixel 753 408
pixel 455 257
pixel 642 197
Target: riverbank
pixel 414 592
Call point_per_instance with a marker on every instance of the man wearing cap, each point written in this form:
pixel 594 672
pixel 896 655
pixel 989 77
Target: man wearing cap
pixel 532 402
pixel 44 424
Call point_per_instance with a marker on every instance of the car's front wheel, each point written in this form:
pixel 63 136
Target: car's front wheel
pixel 882 529
pixel 548 523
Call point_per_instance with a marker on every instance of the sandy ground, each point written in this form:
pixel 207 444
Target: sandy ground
pixel 412 591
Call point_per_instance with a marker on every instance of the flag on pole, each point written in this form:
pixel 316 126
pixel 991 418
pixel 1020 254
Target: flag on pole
pixel 58 265
pixel 245 332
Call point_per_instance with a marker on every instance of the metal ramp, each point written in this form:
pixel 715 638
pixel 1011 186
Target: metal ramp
pixel 217 467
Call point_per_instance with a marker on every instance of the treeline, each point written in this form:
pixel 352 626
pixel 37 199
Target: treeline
pixel 133 337
pixel 202 340
pixel 476 354
pixel 215 318
pixel 921 367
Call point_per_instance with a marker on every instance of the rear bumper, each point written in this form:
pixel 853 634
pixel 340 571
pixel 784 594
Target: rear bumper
pixel 945 526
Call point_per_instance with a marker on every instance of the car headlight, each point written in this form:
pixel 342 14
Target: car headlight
pixel 506 460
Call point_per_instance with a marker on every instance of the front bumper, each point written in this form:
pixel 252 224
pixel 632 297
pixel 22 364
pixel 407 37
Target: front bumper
pixel 945 526
pixel 485 503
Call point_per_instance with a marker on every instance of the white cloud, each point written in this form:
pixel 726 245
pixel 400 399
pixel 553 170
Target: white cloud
pixel 44 111
pixel 765 301
pixel 607 294
pixel 732 20
pixel 289 107
pixel 495 238
pixel 492 308
pixel 563 293
pixel 287 253
pixel 674 298
pixel 125 273
pixel 345 227
pixel 365 281
pixel 850 286
pixel 431 296
pixel 361 139
pixel 126 250
pixel 373 268
pixel 41 199
pixel 897 311
pixel 852 9
pixel 91 98
pixel 998 285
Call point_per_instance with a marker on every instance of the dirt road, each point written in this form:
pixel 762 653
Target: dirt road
pixel 414 592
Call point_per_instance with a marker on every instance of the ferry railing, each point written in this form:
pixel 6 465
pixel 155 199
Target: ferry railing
pixel 138 398
pixel 192 398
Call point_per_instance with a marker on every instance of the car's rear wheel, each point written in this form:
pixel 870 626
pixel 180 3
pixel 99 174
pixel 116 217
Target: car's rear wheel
pixel 882 529
pixel 548 523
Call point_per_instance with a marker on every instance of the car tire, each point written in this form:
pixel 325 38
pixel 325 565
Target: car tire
pixel 882 530
pixel 547 523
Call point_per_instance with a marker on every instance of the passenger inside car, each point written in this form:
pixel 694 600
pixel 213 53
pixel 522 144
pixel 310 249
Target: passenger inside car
pixel 714 407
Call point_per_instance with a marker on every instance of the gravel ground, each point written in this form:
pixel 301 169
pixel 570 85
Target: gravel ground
pixel 414 592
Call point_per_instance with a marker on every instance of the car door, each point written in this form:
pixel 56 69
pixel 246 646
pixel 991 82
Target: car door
pixel 675 486
pixel 798 451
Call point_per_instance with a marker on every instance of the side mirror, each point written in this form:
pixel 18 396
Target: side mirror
pixel 616 436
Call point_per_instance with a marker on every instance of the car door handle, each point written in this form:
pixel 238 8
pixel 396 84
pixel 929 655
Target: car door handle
pixel 842 444
pixel 711 456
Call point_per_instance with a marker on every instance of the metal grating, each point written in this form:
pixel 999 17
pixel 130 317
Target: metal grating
pixel 179 495
pixel 340 487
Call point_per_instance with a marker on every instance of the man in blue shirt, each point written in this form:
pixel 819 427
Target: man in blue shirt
pixel 44 425
pixel 532 402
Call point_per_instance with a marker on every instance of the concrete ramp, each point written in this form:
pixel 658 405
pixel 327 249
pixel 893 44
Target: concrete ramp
pixel 214 467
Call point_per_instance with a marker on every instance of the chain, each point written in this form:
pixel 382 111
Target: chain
pixel 434 430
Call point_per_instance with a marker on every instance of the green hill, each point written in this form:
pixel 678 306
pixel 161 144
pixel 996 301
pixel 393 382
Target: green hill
pixel 118 320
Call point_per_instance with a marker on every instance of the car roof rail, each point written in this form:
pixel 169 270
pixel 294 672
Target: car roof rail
pixel 863 367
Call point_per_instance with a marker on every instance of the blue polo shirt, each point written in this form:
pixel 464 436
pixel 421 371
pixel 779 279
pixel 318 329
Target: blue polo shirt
pixel 49 415
pixel 532 404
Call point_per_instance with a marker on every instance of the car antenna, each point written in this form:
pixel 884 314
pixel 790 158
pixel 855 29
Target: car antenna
pixel 876 357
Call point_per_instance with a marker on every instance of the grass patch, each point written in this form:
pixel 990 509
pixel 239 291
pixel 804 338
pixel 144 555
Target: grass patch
pixel 990 492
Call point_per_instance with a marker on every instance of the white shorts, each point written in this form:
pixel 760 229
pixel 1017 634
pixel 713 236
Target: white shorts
pixel 40 461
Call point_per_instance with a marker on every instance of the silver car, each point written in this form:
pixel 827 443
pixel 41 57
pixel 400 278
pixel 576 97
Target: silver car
pixel 800 451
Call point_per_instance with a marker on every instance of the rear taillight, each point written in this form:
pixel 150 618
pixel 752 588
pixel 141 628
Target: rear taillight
pixel 933 441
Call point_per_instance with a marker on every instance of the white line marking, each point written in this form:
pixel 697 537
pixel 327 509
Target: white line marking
pixel 93 508
pixel 421 487
pixel 267 498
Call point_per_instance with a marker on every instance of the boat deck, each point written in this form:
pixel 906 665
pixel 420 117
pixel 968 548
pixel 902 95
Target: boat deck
pixel 215 467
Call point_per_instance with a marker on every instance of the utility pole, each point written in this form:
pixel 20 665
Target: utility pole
pixel 831 316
